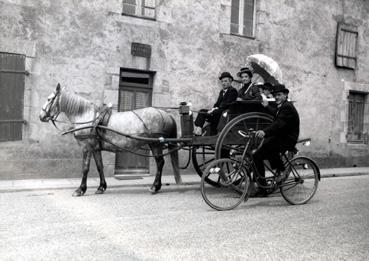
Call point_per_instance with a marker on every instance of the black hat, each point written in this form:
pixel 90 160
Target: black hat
pixel 267 86
pixel 280 88
pixel 225 74
pixel 245 70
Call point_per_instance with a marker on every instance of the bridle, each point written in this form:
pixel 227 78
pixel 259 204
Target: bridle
pixel 53 118
pixel 50 105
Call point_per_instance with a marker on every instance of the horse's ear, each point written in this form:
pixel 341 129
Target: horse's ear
pixel 58 88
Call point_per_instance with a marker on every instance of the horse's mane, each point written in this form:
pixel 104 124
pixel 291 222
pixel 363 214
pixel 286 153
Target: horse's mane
pixel 73 104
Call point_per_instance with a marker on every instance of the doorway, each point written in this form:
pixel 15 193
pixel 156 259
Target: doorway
pixel 135 91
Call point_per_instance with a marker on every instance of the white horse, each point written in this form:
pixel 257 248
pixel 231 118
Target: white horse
pixel 146 122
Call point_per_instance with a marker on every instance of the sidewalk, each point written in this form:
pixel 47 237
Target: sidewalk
pixel 37 184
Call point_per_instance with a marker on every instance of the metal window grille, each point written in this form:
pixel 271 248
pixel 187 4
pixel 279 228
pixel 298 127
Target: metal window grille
pixel 12 71
pixel 242 17
pixel 346 46
pixel 143 8
pixel 356 113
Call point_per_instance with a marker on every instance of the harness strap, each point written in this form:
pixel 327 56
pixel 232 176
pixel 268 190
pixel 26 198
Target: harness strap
pixel 101 120
pixel 144 124
pixel 162 117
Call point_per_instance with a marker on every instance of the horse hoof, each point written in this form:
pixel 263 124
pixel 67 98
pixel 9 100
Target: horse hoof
pixel 78 193
pixel 153 190
pixel 99 191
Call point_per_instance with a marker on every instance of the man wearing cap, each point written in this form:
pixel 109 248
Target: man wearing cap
pixel 280 135
pixel 226 96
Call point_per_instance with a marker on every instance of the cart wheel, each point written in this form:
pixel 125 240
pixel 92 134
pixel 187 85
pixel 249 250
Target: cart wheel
pixel 301 182
pixel 230 143
pixel 202 155
pixel 233 183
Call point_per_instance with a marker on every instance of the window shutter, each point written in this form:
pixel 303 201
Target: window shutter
pixel 346 46
pixel 248 18
pixel 129 7
pixel 142 99
pixel 356 116
pixel 235 9
pixel 12 71
pixel 126 101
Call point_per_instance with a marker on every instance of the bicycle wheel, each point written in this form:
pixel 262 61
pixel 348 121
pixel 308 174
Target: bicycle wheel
pixel 301 182
pixel 233 183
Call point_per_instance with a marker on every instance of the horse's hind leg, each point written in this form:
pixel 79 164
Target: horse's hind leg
pixel 100 169
pixel 158 153
pixel 85 168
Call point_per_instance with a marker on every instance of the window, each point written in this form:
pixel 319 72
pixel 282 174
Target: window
pixel 356 113
pixel 12 71
pixel 346 46
pixel 242 17
pixel 142 8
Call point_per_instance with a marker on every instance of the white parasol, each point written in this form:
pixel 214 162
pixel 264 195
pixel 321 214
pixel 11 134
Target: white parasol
pixel 266 67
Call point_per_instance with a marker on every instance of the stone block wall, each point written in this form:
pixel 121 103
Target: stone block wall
pixel 83 44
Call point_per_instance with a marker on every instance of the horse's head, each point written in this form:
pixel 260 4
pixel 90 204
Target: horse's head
pixel 51 109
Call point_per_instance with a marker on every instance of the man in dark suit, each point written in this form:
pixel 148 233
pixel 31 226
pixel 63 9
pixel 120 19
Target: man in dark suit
pixel 280 136
pixel 226 96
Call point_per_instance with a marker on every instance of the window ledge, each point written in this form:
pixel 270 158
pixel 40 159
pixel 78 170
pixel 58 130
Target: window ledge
pixel 356 144
pixel 243 36
pixel 140 17
pixel 134 20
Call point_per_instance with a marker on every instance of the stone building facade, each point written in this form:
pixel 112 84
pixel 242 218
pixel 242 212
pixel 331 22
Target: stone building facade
pixel 85 45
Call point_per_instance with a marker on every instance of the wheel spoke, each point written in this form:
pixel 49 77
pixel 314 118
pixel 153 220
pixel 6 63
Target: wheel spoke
pixel 302 182
pixel 233 181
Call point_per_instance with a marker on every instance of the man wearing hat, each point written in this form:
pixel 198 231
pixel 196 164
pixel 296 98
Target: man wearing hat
pixel 226 96
pixel 280 135
pixel 248 91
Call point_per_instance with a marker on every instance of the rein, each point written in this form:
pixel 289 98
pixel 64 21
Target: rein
pixel 54 118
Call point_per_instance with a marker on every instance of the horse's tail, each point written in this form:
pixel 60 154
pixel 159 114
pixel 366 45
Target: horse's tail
pixel 174 154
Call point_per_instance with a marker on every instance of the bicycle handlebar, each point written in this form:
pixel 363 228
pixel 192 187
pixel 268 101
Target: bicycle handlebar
pixel 251 133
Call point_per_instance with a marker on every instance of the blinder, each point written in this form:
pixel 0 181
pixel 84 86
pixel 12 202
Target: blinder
pixel 50 105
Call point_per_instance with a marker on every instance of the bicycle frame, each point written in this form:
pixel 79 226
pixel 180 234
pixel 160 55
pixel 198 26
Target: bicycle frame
pixel 247 160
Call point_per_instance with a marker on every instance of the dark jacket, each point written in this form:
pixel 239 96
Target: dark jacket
pixel 223 102
pixel 252 93
pixel 286 123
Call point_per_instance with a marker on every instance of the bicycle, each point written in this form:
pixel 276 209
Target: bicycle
pixel 235 174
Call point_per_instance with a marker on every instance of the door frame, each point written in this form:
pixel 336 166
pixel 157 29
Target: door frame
pixel 133 172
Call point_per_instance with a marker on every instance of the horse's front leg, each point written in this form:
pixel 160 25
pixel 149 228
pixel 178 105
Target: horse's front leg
pixel 158 153
pixel 100 169
pixel 85 168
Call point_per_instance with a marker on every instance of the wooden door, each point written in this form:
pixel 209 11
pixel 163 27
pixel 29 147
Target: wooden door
pixel 135 91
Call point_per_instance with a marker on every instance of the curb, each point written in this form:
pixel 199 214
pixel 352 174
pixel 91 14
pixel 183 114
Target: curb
pixel 9 186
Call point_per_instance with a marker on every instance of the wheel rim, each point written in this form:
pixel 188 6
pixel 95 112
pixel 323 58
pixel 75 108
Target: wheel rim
pixel 302 181
pixel 232 186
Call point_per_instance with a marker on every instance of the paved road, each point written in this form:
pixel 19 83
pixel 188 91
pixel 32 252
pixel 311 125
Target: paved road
pixel 130 224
